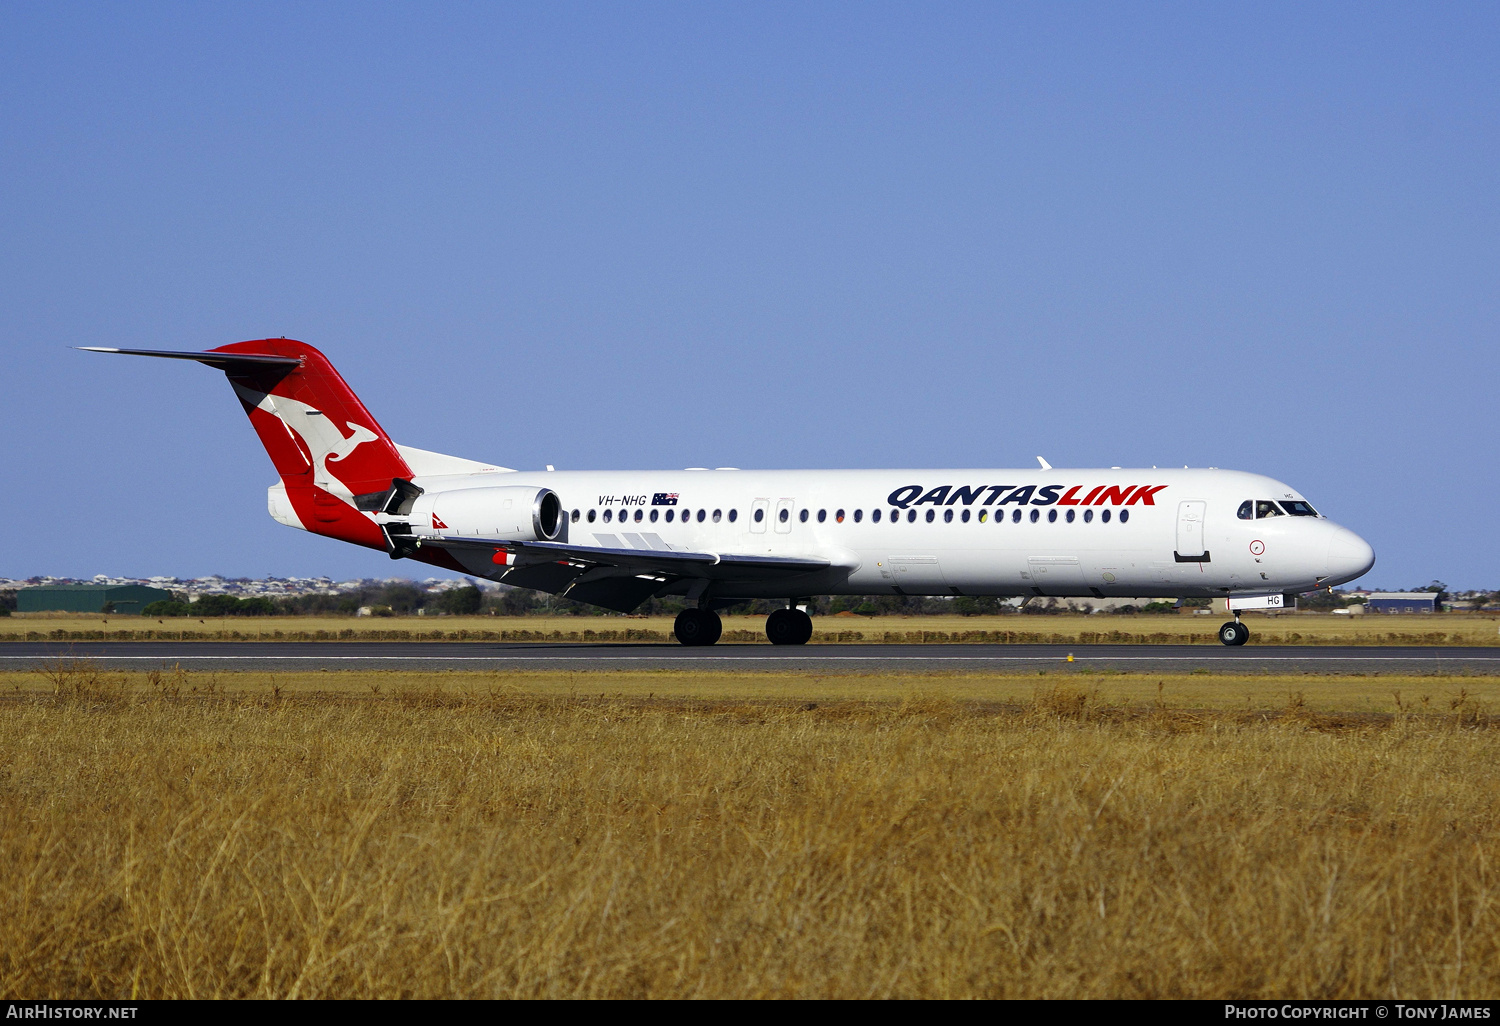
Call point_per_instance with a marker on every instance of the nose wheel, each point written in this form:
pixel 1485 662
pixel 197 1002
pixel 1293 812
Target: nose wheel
pixel 1234 633
pixel 698 627
pixel 789 627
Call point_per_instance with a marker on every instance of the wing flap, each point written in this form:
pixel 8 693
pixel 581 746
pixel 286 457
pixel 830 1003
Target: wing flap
pixel 712 566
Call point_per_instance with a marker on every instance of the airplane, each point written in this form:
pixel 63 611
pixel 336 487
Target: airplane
pixel 719 537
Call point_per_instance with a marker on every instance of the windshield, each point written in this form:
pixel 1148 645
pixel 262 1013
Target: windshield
pixel 1298 508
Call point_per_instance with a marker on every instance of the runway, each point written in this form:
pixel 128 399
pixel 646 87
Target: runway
pixel 386 655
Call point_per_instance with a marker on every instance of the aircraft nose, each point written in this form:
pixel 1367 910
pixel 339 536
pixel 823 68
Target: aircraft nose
pixel 1349 556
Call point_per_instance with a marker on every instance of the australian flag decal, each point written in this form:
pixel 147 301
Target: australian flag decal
pixel 664 499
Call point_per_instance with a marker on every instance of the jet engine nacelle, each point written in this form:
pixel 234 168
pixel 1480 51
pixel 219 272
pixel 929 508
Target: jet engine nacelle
pixel 507 514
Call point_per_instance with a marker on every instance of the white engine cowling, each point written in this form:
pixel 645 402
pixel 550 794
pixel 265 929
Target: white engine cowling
pixel 507 514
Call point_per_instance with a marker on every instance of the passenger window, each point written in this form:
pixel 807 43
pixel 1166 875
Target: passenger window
pixel 823 516
pixel 874 516
pixel 734 515
pixel 717 515
pixel 576 515
pixel 1015 515
pixel 1246 510
pixel 701 514
pixel 669 516
pixel 931 516
pixel 1052 516
pixel 591 516
pixel 653 516
pixel 1298 508
pixel 1124 515
pixel 760 515
pixel 911 516
pixel 859 514
pixel 803 516
pixel 839 516
pixel 1088 516
pixel 638 516
pixel 783 516
pixel 984 515
pixel 1071 515
pixel 1265 508
pixel 964 516
pixel 1036 515
pixel 1104 516
pixel 607 515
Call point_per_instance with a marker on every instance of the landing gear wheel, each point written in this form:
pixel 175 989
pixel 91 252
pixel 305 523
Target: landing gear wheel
pixel 698 627
pixel 789 627
pixel 1234 633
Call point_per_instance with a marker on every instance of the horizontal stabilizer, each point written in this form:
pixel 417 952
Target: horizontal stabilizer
pixel 223 361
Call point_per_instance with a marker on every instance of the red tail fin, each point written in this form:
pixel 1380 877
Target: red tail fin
pixel 333 457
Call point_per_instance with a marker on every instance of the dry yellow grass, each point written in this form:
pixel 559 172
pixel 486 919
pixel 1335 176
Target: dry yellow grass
pixel 1295 629
pixel 1378 694
pixel 503 835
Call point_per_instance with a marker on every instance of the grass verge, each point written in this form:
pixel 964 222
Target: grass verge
pixel 1287 629
pixel 499 835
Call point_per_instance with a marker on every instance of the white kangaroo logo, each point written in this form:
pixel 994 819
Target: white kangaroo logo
pixel 360 436
pixel 323 440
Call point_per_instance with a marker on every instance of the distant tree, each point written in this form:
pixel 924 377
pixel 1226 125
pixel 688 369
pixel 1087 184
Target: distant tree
pixel 215 605
pixel 108 607
pixel 1439 589
pixel 465 601
pixel 166 607
pixel 255 606
pixel 7 602
pixel 976 605
pixel 402 596
pixel 511 601
pixel 1159 607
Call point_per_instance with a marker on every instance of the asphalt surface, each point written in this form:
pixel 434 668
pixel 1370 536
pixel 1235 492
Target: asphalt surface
pixel 394 655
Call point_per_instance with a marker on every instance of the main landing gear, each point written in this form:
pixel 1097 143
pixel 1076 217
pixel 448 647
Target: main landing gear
pixel 703 627
pixel 789 627
pixel 1234 633
pixel 698 627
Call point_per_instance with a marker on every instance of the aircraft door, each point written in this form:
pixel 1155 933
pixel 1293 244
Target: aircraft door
pixel 1190 531
pixel 784 510
pixel 758 513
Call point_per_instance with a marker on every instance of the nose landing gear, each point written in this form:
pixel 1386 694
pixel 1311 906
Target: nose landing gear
pixel 698 627
pixel 789 627
pixel 1234 633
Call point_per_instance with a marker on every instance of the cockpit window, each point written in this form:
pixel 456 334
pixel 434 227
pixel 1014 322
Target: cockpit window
pixel 1298 508
pixel 1266 508
pixel 1246 510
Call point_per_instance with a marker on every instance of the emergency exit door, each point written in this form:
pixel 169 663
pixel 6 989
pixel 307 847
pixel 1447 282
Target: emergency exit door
pixel 1190 540
pixel 783 521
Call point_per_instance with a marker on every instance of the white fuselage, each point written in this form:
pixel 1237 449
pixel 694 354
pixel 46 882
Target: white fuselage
pixel 1051 532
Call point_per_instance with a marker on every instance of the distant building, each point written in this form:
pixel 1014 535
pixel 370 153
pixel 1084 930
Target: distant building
pixel 1401 602
pixel 88 598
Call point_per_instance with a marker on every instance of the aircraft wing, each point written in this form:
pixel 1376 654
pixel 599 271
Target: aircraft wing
pixel 614 578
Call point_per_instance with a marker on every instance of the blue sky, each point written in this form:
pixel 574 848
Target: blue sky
pixel 758 235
